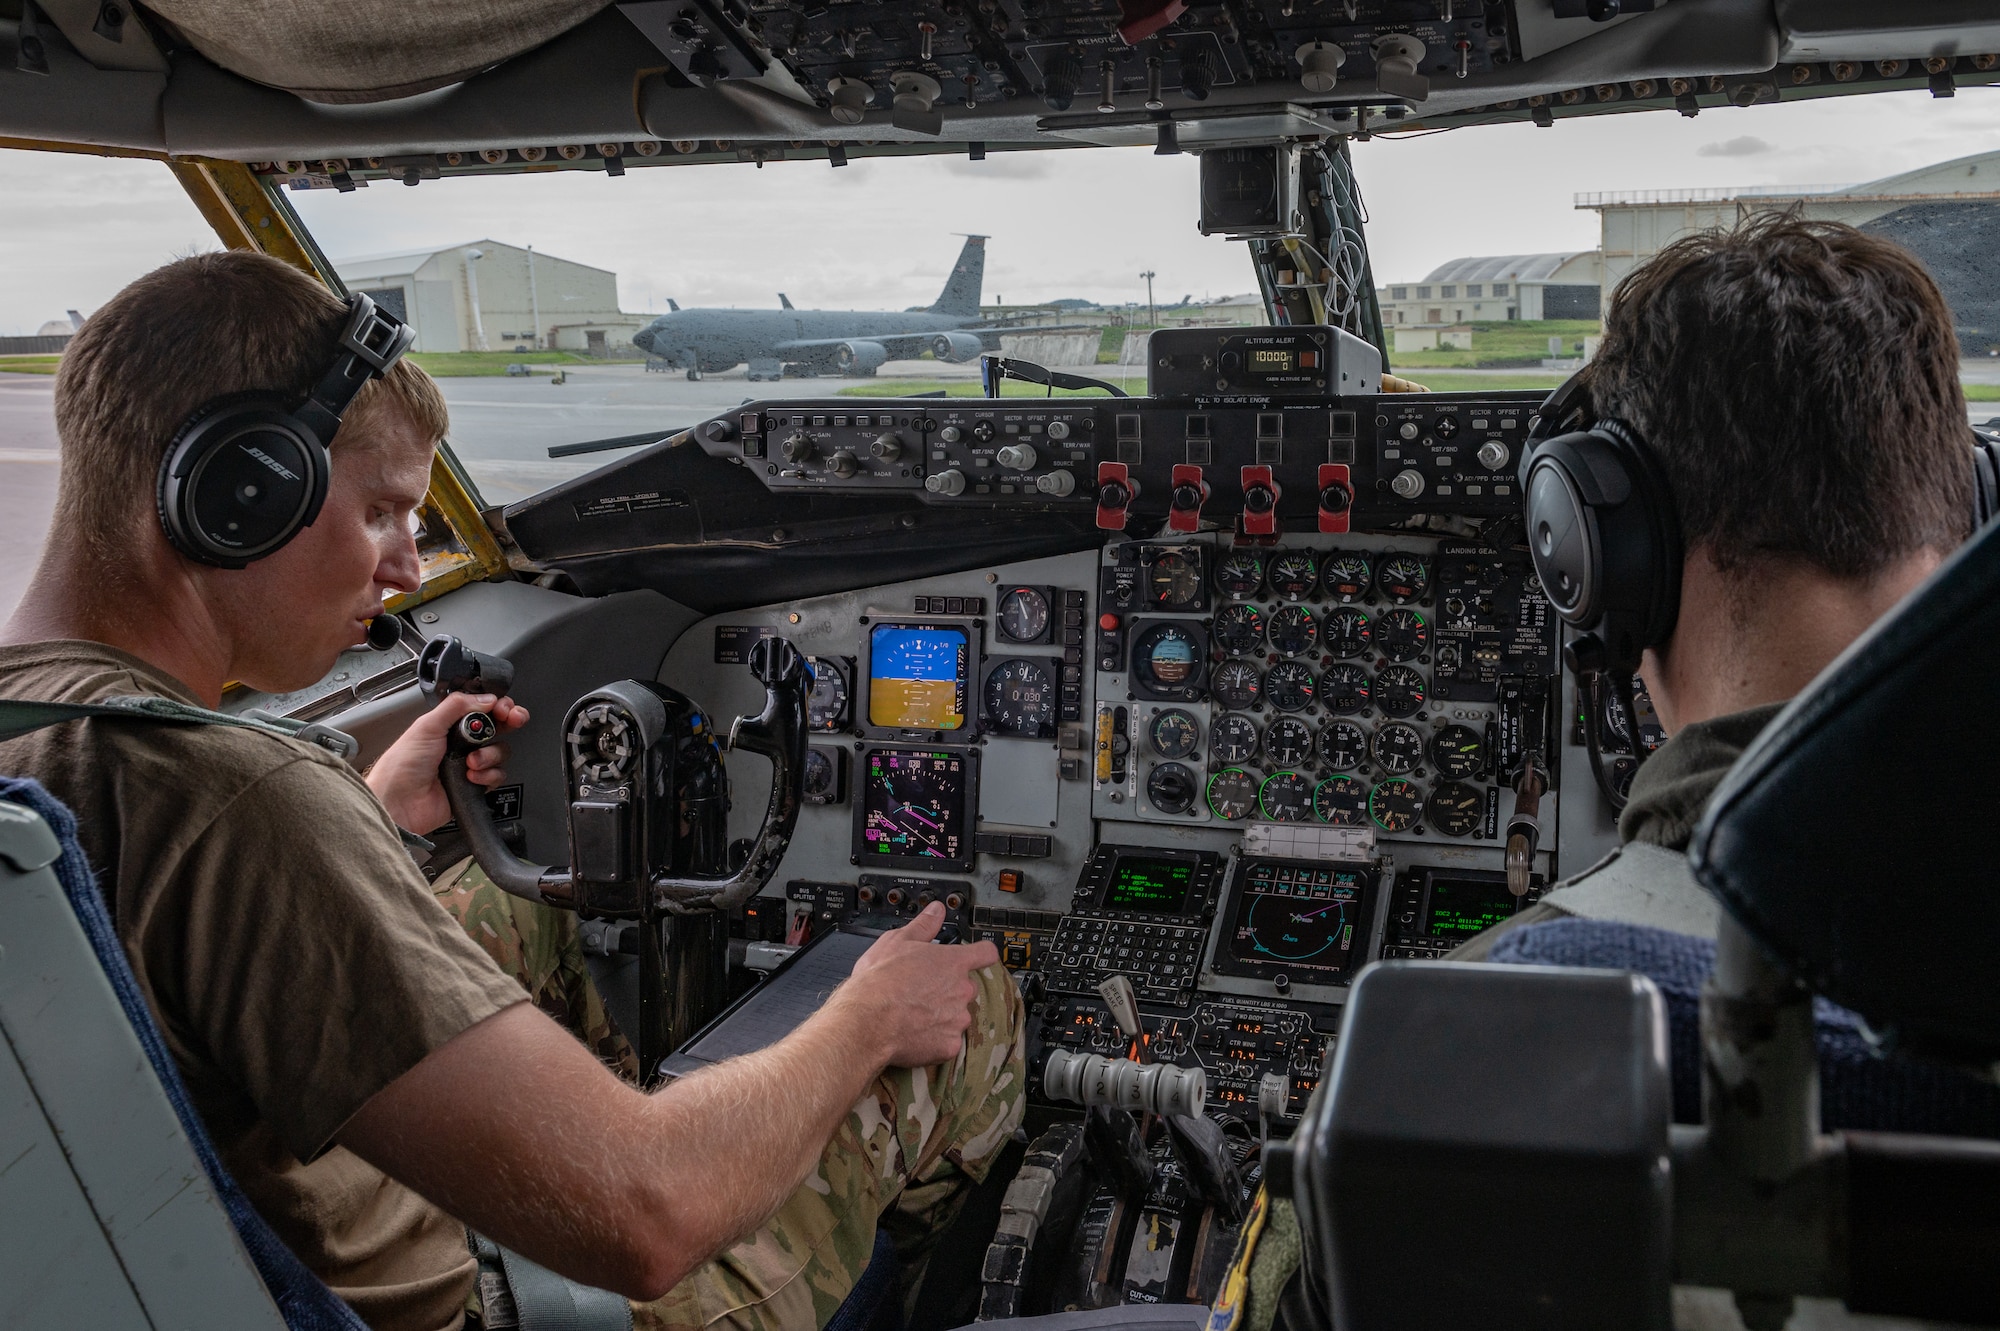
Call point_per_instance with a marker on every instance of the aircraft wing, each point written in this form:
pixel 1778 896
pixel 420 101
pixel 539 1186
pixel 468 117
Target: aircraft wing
pixel 902 346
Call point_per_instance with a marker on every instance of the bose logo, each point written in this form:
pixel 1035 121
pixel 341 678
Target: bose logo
pixel 271 462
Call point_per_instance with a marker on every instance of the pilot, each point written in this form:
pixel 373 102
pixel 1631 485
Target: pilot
pixel 1797 382
pixel 373 1080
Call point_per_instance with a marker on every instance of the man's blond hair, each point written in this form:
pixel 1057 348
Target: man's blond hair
pixel 195 330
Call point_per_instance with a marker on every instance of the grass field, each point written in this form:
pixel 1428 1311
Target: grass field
pixel 1501 345
pixel 1442 381
pixel 29 364
pixel 480 364
pixel 1134 384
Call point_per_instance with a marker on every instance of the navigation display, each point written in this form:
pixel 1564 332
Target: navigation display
pixel 1461 907
pixel 917 676
pixel 1306 921
pixel 915 809
pixel 1156 886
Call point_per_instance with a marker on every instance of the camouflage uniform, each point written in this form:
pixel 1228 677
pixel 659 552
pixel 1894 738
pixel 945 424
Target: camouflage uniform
pixel 903 1159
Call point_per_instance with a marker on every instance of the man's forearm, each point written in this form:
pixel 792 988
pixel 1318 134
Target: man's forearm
pixel 769 1116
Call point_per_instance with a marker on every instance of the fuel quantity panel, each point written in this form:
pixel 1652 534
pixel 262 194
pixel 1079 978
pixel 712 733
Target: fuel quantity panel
pixel 1324 681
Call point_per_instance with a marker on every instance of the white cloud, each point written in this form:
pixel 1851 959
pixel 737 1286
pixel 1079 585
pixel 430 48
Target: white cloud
pixel 1743 145
pixel 879 232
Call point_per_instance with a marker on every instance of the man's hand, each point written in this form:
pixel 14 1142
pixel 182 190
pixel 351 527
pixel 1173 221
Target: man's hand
pixel 916 996
pixel 405 777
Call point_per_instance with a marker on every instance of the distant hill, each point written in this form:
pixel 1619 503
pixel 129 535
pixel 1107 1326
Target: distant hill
pixel 1960 244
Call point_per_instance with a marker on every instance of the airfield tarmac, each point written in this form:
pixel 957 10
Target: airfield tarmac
pixel 501 428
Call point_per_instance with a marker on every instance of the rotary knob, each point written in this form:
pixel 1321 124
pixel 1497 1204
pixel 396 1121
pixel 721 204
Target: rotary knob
pixel 887 448
pixel 951 434
pixel 843 464
pixel 1408 483
pixel 798 446
pixel 1493 455
pixel 1058 430
pixel 947 483
pixel 718 431
pixel 1017 457
pixel 1058 483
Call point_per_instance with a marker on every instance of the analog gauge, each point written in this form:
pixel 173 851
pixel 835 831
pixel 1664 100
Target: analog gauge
pixel 1167 660
pixel 1233 738
pixel 1293 630
pixel 826 703
pixel 1289 686
pixel 1399 690
pixel 822 783
pixel 1023 615
pixel 1240 629
pixel 1347 577
pixel 1345 689
pixel 1458 751
pixel 1455 808
pixel 1342 746
pixel 1342 801
pixel 1174 734
pixel 1175 583
pixel 1240 575
pixel 1396 804
pixel 1236 684
pixel 1402 634
pixel 1021 699
pixel 1402 578
pixel 1347 633
pixel 1286 797
pixel 1650 732
pixel 1294 575
pixel 1172 788
pixel 1232 794
pixel 1398 748
pixel 1289 741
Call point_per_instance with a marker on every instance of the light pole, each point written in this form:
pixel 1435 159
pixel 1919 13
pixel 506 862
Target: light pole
pixel 534 300
pixel 472 297
pixel 1151 317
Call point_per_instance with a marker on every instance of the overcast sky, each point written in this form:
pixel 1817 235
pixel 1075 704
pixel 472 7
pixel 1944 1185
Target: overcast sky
pixel 1075 223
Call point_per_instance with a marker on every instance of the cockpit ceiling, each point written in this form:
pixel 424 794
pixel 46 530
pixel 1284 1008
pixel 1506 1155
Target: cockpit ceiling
pixel 576 84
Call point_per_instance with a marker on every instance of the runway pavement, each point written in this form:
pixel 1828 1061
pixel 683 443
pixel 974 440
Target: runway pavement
pixel 501 428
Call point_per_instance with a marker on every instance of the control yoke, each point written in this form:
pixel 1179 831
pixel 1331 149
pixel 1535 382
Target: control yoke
pixel 646 789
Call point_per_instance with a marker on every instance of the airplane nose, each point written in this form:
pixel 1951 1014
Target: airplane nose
pixel 643 339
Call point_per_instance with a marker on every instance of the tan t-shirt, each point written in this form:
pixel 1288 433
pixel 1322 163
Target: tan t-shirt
pixel 292 954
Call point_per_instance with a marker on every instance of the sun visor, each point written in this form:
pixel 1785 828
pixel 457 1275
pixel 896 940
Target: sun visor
pixel 368 50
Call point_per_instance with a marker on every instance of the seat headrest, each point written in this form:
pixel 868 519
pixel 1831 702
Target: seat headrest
pixel 1858 839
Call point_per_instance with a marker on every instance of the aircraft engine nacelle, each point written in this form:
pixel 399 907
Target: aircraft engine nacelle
pixel 956 347
pixel 859 357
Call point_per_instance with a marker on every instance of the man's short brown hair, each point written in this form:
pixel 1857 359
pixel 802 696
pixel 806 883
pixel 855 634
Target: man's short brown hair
pixel 197 329
pixel 1799 382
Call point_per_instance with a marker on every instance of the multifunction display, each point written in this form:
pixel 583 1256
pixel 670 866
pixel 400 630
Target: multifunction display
pixel 1152 886
pixel 915 809
pixel 1459 906
pixel 1306 921
pixel 917 676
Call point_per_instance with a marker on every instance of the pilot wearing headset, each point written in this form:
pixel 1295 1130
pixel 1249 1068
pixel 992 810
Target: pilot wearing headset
pixel 1768 452
pixel 241 457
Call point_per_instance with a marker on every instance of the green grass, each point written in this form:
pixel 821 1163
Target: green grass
pixel 1982 392
pixel 29 364
pixel 478 364
pixel 1444 382
pixel 1500 345
pixel 1134 384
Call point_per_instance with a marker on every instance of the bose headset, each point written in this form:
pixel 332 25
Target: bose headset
pixel 1606 543
pixel 247 473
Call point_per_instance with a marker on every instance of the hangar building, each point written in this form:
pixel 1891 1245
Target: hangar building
pixel 488 296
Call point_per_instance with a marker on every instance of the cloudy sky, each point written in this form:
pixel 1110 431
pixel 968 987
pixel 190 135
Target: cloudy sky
pixel 1074 223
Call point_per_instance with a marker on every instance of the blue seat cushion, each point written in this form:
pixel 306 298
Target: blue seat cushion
pixel 303 1299
pixel 1859 1089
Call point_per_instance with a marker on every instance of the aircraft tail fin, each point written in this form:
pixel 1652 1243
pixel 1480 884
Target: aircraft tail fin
pixel 673 305
pixel 968 278
pixel 786 301
pixel 76 321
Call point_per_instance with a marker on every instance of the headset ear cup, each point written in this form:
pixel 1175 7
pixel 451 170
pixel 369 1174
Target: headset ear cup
pixel 205 465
